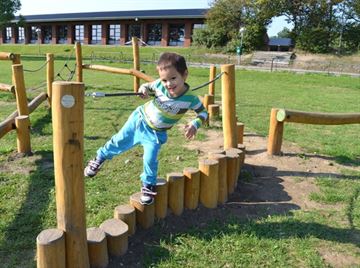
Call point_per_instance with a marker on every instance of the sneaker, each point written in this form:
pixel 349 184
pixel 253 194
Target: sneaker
pixel 147 194
pixel 93 167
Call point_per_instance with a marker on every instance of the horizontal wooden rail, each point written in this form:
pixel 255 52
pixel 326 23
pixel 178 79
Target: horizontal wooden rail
pixel 278 117
pixel 9 123
pixel 5 87
pixel 317 118
pixel 7 56
pixel 118 71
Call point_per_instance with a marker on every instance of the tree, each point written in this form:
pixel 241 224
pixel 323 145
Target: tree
pixel 225 19
pixel 7 10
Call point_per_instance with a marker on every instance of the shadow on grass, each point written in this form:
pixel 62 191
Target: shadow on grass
pixel 340 159
pixel 40 124
pixel 18 250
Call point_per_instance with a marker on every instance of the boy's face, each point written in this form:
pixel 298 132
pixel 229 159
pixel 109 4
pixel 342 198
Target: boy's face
pixel 173 81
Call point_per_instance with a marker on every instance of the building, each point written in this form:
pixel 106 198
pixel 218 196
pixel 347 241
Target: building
pixel 280 44
pixel 155 27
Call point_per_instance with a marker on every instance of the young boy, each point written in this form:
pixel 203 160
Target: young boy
pixel 148 124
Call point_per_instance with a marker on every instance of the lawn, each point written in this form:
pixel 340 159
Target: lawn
pixel 27 203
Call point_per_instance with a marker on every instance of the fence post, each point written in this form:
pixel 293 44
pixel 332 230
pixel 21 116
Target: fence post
pixel 79 69
pixel 276 130
pixel 68 138
pixel 212 77
pixel 135 45
pixel 20 91
pixel 49 75
pixel 22 123
pixel 228 105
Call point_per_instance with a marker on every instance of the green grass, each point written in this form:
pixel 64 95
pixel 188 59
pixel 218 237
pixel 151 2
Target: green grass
pixel 295 239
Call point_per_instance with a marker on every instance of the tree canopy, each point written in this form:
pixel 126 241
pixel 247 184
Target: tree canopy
pixel 7 10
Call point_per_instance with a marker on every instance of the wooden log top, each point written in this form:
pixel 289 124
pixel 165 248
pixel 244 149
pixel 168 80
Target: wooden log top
pixel 95 235
pixel 190 170
pixel 125 209
pixel 208 162
pixel 233 150
pixel 216 151
pixel 174 175
pixel 217 156
pixel 114 227
pixel 49 236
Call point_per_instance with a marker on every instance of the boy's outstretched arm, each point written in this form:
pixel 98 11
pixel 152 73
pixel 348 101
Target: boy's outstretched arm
pixel 190 131
pixel 145 89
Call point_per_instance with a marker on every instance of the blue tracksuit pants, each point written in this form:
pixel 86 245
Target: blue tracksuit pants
pixel 136 131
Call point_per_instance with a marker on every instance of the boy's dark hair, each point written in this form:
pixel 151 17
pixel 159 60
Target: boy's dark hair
pixel 170 59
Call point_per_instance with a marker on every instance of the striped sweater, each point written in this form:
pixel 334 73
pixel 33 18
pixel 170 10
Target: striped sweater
pixel 163 111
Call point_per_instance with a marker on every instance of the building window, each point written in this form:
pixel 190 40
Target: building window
pixel 47 32
pixel 8 35
pixel 62 34
pixel 114 34
pixel 134 30
pixel 95 34
pixel 199 26
pixel 34 36
pixel 79 33
pixel 176 34
pixel 154 34
pixel 21 36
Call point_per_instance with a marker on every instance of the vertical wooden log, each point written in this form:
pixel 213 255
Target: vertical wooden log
pixel 68 135
pixel 228 105
pixel 136 57
pixel 22 123
pixel 127 214
pixel 209 182
pixel 238 152
pixel 214 111
pixel 231 164
pixel 192 187
pixel 212 77
pixel 49 75
pixel 20 91
pixel 161 198
pixel 97 247
pixel 276 130
pixel 16 59
pixel 50 249
pixel 145 214
pixel 208 99
pixel 176 186
pixel 79 69
pixel 116 232
pixel 222 174
pixel 240 132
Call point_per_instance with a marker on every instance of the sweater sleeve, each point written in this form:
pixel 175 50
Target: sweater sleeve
pixel 201 113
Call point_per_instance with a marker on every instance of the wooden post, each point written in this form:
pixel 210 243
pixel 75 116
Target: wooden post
pixel 49 75
pixel 214 111
pixel 222 174
pixel 176 186
pixel 135 45
pixel 145 214
pixel 209 182
pixel 50 249
pixel 127 214
pixel 97 247
pixel 116 232
pixel 68 135
pixel 79 69
pixel 231 164
pixel 161 198
pixel 240 132
pixel 16 59
pixel 22 123
pixel 20 91
pixel 192 187
pixel 276 130
pixel 228 105
pixel 212 77
pixel 239 153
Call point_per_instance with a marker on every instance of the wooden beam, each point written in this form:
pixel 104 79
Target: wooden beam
pixel 5 87
pixel 7 56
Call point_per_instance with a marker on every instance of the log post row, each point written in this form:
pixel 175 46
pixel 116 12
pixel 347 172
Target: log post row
pixel 68 135
pixel 228 105
pixel 136 57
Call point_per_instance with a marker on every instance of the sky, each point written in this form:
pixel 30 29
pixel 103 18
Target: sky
pixel 33 7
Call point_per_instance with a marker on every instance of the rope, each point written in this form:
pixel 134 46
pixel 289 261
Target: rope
pixel 36 70
pixel 209 82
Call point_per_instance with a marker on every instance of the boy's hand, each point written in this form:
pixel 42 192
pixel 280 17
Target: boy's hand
pixel 190 131
pixel 144 90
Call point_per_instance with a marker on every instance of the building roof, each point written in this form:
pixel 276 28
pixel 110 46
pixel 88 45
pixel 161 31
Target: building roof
pixel 286 42
pixel 110 15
